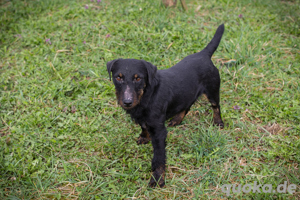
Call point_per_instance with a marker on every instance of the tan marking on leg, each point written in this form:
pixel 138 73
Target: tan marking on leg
pixel 217 117
pixel 177 119
pixel 144 137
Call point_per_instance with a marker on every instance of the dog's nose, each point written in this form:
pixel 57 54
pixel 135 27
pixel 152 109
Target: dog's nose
pixel 127 102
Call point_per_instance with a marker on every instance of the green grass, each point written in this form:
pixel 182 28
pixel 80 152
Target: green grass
pixel 63 136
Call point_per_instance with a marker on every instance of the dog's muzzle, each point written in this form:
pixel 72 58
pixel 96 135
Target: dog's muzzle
pixel 128 98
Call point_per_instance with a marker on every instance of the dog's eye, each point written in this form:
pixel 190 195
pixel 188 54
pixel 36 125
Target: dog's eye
pixel 118 78
pixel 137 79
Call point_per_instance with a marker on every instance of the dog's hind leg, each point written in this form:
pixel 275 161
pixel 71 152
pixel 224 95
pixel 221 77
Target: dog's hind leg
pixel 214 100
pixel 177 119
pixel 217 115
pixel 144 136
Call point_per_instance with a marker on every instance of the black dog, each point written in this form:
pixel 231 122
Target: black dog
pixel 151 97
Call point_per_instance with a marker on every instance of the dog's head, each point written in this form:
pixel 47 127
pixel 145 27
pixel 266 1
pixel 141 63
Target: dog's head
pixel 130 77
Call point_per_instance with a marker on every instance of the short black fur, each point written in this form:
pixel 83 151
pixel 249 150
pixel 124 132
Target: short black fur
pixel 151 97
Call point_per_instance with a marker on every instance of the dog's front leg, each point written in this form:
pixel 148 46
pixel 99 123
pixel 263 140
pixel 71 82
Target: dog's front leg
pixel 158 138
pixel 144 136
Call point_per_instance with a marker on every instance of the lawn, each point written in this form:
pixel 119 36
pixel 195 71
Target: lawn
pixel 63 136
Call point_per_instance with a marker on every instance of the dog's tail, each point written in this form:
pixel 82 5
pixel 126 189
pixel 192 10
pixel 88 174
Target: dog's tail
pixel 214 43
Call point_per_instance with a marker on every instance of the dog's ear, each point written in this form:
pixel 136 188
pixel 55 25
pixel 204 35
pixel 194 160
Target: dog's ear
pixel 110 65
pixel 151 70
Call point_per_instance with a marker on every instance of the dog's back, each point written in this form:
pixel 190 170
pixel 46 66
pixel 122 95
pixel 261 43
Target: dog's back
pixel 191 77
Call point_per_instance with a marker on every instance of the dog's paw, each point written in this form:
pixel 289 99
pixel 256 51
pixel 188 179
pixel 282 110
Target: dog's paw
pixel 153 183
pixel 157 178
pixel 220 124
pixel 142 140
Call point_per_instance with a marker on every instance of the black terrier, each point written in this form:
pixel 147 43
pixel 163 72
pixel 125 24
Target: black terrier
pixel 151 97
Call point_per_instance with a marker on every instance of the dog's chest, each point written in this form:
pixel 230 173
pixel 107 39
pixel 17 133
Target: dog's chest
pixel 139 114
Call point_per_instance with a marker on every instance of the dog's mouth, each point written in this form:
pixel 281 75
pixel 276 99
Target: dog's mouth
pixel 127 108
pixel 128 104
